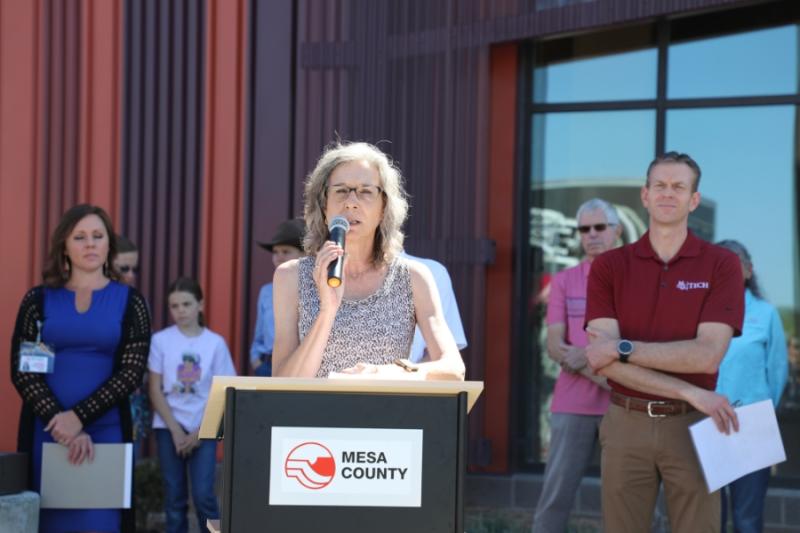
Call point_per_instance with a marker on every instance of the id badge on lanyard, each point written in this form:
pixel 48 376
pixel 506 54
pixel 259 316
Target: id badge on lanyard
pixel 37 357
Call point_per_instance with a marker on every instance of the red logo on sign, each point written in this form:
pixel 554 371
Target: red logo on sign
pixel 311 464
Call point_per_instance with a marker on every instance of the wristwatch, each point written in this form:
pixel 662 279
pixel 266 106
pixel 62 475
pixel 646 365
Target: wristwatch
pixel 624 349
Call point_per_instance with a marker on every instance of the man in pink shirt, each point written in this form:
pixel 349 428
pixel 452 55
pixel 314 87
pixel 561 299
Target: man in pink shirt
pixel 580 398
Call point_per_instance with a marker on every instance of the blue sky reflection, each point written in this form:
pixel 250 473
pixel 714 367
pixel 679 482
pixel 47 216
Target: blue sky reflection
pixel 746 155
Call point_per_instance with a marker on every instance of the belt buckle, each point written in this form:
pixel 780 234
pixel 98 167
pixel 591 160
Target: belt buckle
pixel 650 412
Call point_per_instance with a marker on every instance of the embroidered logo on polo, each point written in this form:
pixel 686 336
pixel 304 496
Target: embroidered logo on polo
pixel 691 285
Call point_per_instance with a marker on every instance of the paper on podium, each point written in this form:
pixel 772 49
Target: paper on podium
pixel 726 458
pixel 402 376
pixel 407 376
pixel 105 483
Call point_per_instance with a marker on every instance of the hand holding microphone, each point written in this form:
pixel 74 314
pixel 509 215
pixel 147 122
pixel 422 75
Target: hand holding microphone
pixel 338 228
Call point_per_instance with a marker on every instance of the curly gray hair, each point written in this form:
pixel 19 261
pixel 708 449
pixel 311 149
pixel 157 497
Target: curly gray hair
pixel 389 237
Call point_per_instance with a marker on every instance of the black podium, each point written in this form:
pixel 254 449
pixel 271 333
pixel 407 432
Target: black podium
pixel 305 455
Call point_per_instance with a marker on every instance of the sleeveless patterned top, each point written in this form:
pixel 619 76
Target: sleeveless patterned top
pixel 377 329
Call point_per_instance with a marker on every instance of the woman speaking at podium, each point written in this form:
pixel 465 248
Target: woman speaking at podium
pixel 351 306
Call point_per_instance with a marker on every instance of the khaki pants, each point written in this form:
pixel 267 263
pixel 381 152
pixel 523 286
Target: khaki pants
pixel 638 452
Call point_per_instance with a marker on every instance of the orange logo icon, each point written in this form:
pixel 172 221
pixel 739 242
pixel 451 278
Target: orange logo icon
pixel 311 464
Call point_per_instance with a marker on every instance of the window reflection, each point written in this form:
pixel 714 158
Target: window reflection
pixel 612 145
pixel 576 156
pixel 746 155
pixel 748 188
pixel 762 62
pixel 622 76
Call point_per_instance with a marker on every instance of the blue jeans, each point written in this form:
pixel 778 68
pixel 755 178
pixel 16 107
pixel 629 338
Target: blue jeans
pixel 200 465
pixel 747 496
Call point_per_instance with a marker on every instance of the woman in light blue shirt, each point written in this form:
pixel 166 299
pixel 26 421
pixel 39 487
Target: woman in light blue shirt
pixel 755 368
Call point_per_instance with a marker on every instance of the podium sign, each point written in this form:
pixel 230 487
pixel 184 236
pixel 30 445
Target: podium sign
pixel 368 459
pixel 346 466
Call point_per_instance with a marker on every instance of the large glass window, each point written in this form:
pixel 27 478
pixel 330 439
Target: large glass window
pixel 762 62
pixel 729 99
pixel 577 156
pixel 622 76
pixel 601 67
pixel 747 156
pixel 607 145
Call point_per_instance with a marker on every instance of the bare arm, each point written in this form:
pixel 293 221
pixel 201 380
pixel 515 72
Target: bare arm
pixel 701 355
pixel 442 348
pixel 182 441
pixel 648 381
pixel 654 382
pixel 633 376
pixel 605 331
pixel 571 358
pixel 290 357
pixel 160 403
pixel 598 379
pixel 556 333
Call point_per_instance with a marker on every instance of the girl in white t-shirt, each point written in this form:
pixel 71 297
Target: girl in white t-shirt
pixel 183 359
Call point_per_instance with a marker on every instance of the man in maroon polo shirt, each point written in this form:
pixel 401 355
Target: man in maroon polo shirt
pixel 660 315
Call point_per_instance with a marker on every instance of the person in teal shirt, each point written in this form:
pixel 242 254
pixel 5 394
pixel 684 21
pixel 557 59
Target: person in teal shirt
pixel 755 368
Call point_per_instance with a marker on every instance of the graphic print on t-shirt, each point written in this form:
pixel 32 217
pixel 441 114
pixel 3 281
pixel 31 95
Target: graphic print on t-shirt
pixel 189 373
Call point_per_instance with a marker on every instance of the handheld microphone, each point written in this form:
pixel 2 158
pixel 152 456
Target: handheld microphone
pixel 338 229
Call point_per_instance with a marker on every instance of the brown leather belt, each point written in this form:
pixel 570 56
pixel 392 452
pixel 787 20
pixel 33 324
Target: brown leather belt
pixel 654 408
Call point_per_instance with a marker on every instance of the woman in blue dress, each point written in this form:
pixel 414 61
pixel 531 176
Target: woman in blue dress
pixel 99 330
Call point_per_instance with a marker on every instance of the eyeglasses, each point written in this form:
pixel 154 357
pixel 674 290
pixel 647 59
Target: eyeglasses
pixel 366 194
pixel 124 269
pixel 597 227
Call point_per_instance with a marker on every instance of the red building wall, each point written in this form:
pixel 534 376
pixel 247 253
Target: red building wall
pixel 65 118
pixel 222 230
pixel 59 140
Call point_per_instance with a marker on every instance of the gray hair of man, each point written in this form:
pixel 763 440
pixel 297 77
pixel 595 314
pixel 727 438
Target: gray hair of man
pixel 612 218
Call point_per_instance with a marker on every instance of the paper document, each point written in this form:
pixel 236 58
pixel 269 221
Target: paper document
pixel 105 483
pixel 405 376
pixel 757 445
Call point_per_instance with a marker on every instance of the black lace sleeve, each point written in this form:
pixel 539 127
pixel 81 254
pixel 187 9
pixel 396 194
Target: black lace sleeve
pixel 31 387
pixel 131 362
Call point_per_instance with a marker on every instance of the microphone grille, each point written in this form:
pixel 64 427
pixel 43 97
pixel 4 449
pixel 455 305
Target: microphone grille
pixel 340 222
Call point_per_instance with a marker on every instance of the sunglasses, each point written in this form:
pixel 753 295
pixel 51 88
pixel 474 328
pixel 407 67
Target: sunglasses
pixel 597 227
pixel 124 269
